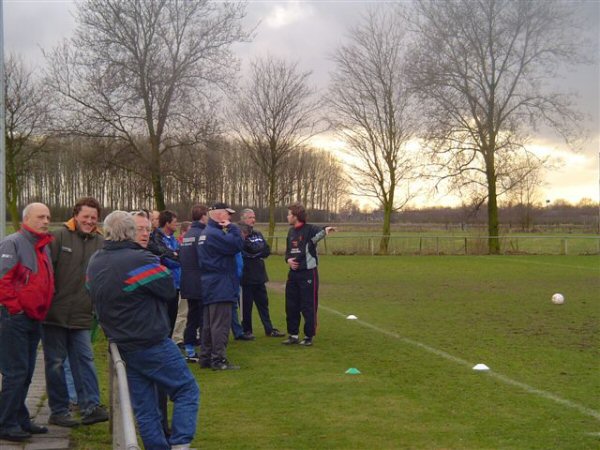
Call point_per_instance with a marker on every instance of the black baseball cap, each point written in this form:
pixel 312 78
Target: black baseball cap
pixel 221 205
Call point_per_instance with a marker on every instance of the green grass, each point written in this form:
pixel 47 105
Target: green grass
pixel 423 322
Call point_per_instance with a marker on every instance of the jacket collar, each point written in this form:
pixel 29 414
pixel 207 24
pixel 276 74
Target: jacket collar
pixel 117 245
pixel 38 239
pixel 71 225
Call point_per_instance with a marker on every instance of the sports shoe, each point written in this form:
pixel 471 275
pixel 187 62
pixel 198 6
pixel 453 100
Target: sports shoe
pixel 15 436
pixel 98 414
pixel 34 428
pixel 224 365
pixel 291 340
pixel 307 342
pixel 66 420
pixel 275 333
pixel 245 337
pixel 192 358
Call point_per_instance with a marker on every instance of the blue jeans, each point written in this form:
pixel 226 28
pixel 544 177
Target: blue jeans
pixel 60 343
pixel 19 338
pixel 70 383
pixel 236 326
pixel 164 367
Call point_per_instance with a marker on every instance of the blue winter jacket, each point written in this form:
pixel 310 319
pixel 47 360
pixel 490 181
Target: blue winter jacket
pixel 172 244
pixel 191 286
pixel 217 250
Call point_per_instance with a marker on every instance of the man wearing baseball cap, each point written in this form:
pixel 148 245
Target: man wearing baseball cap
pixel 220 241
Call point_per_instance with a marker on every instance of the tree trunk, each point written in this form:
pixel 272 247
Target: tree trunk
pixel 493 234
pixel 272 180
pixel 12 187
pixel 387 218
pixel 156 176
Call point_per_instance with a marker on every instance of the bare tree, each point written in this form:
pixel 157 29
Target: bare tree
pixel 274 115
pixel 370 110
pixel 25 121
pixel 142 72
pixel 482 70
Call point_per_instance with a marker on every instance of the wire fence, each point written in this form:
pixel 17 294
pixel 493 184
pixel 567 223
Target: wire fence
pixel 452 245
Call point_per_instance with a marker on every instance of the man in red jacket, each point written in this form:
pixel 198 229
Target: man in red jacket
pixel 26 290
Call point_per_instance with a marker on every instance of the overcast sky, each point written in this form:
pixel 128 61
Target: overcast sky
pixel 309 31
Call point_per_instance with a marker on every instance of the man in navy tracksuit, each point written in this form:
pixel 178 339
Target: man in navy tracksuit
pixel 254 277
pixel 302 287
pixel 218 245
pixel 191 286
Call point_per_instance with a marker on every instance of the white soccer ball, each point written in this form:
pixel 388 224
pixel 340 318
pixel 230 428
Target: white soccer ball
pixel 558 299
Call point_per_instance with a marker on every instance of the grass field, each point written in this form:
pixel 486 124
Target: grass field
pixel 423 322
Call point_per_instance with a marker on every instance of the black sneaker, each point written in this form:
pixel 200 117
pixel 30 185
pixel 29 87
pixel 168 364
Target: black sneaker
pixel 275 333
pixel 98 414
pixel 307 342
pixel 65 420
pixel 15 436
pixel 192 358
pixel 291 340
pixel 224 365
pixel 245 337
pixel 34 428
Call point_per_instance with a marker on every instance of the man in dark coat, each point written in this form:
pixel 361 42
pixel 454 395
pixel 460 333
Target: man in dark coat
pixel 191 285
pixel 254 277
pixel 220 241
pixel 130 290
pixel 67 328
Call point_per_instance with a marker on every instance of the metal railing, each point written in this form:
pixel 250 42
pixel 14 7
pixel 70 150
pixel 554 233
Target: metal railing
pixel 121 413
pixel 452 245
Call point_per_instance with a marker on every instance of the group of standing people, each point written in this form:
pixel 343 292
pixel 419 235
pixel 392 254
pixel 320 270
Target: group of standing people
pixel 134 276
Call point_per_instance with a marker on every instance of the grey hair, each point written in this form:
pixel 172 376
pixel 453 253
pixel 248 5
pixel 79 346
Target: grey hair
pixel 245 211
pixel 119 226
pixel 28 208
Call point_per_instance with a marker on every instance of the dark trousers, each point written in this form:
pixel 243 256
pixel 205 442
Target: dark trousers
pixel 215 332
pixel 255 293
pixel 19 338
pixel 193 325
pixel 302 297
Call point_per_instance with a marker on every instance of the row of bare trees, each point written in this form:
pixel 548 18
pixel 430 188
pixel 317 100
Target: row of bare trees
pixel 69 169
pixel 445 91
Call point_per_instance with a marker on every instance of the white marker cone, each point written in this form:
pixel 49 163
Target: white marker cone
pixel 481 367
pixel 351 317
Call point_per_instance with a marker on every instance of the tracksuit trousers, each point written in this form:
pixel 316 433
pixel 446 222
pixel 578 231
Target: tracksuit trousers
pixel 302 297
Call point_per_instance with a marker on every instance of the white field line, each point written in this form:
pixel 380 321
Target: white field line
pixel 504 379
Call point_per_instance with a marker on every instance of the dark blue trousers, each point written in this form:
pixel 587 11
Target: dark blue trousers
pixel 19 338
pixel 302 297
pixel 255 293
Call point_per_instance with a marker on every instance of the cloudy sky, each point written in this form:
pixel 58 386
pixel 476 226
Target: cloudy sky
pixel 309 31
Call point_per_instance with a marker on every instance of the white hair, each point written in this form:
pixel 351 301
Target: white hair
pixel 246 211
pixel 119 226
pixel 28 209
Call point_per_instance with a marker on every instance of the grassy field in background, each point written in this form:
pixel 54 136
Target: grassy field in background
pixel 423 322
